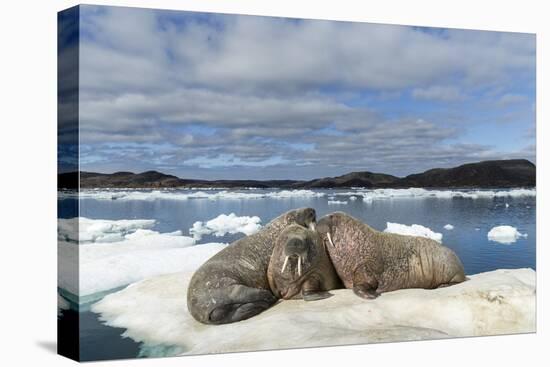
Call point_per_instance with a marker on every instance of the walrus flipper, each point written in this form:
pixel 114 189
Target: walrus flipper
pixel 365 283
pixel 240 302
pixel 315 296
pixel 312 290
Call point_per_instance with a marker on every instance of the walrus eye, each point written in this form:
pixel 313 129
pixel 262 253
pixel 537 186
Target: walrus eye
pixel 330 240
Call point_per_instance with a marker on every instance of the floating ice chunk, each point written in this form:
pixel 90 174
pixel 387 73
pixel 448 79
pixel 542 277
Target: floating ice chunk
pixel 104 267
pixel 504 234
pixel 178 194
pixel 241 194
pixel 62 305
pixel 155 312
pixel 448 227
pixel 285 194
pixel 337 202
pixel 99 230
pixel 223 224
pixel 353 198
pixel 135 256
pixel 419 193
pixel 507 205
pixel 413 230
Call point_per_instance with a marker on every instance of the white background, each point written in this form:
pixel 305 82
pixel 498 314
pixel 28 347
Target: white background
pixel 28 179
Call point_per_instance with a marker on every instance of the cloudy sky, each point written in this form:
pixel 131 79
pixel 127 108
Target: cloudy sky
pixel 222 96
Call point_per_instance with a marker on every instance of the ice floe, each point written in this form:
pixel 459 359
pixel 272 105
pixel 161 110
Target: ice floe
pixel 62 305
pixel 419 193
pixel 142 253
pixel 505 234
pixel 449 227
pixel 368 195
pixel 154 312
pixel 150 195
pixel 223 224
pixel 99 230
pixel 413 230
pixel 337 202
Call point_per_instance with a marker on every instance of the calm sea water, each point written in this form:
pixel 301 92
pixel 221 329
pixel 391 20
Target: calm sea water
pixel 471 218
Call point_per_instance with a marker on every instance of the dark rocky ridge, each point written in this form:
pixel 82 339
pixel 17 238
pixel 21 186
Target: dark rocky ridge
pixel 486 174
pixel 501 173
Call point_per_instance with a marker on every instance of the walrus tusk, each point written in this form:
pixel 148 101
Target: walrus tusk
pixel 330 240
pixel 299 266
pixel 312 226
pixel 284 265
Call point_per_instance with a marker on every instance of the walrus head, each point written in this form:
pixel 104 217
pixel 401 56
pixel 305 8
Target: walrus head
pixel 298 257
pixel 327 225
pixel 304 217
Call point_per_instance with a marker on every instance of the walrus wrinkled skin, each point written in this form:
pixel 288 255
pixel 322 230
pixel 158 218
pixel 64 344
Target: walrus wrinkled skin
pixel 372 262
pixel 300 266
pixel 232 285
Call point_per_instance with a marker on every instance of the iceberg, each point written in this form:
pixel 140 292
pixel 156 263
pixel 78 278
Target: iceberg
pixel 223 224
pixel 504 234
pixel 449 227
pixel 419 193
pixel 413 230
pixel 337 202
pixel 368 195
pixel 99 230
pixel 154 312
pixel 142 253
pixel 151 195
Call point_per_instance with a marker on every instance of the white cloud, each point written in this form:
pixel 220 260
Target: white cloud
pixel 443 93
pixel 279 54
pixel 262 84
pixel 510 98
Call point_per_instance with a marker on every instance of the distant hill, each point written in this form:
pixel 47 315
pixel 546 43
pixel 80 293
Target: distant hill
pixel 486 174
pixel 149 179
pixel 501 173
pixel 353 179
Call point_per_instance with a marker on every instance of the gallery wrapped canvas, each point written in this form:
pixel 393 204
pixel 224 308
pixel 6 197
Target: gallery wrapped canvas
pixel 231 183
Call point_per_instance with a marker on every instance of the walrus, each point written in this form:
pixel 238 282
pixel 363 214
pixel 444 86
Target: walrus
pixel 372 262
pixel 300 267
pixel 232 285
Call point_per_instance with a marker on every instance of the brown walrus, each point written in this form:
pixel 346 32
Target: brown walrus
pixel 300 266
pixel 372 262
pixel 232 285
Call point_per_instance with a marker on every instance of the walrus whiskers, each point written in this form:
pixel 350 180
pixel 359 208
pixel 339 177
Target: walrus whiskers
pixel 284 264
pixel 330 240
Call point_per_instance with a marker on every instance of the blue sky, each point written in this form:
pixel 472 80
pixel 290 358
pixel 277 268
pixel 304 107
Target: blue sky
pixel 227 96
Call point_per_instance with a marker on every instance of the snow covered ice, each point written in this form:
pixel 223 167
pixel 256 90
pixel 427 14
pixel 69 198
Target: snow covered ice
pixel 504 234
pixel 368 195
pixel 150 195
pixel 337 202
pixel 224 224
pixel 154 312
pixel 99 230
pixel 138 253
pixel 413 230
pixel 419 193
